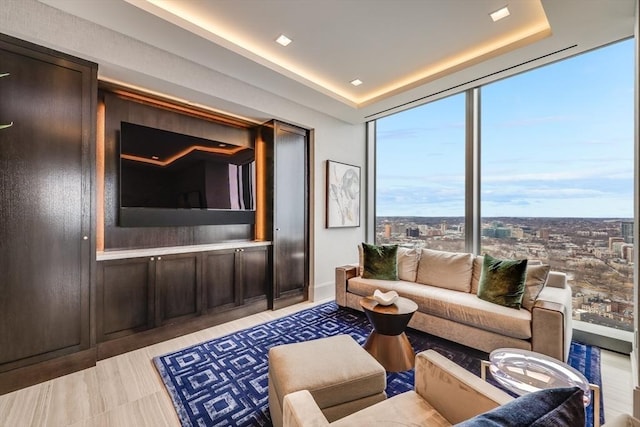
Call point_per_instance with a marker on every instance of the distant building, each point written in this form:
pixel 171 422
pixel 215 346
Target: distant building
pixel 626 230
pixel 615 241
pixel 543 233
pixel 387 231
pixel 413 232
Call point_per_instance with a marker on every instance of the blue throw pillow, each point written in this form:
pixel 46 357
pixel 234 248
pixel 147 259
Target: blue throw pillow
pixel 551 407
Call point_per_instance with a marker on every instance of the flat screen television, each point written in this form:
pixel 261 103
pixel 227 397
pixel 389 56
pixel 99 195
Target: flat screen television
pixel 173 179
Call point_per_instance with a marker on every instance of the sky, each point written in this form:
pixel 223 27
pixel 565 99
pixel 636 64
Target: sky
pixel 556 141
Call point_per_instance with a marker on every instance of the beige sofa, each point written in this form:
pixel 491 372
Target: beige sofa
pixel 445 284
pixel 440 386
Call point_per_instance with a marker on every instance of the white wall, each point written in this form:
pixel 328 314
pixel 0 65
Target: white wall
pixel 130 61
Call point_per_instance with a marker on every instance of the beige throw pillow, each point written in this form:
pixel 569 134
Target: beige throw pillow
pixel 536 278
pixel 477 272
pixel 408 264
pixel 450 270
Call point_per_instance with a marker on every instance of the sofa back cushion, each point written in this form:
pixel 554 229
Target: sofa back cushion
pixel 450 270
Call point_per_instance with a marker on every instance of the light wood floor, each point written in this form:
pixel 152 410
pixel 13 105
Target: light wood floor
pixel 126 390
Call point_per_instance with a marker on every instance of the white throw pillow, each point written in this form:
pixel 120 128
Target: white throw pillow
pixel 450 270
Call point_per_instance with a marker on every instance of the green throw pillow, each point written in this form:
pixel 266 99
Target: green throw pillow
pixel 380 262
pixel 502 281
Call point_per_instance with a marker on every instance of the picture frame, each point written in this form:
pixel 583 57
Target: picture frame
pixel 343 195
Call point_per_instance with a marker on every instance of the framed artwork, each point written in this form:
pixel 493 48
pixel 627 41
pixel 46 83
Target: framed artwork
pixel 343 195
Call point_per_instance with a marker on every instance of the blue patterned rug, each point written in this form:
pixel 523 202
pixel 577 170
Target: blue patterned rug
pixel 223 382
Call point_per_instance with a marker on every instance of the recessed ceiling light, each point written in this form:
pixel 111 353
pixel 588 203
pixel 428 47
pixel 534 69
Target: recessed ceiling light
pixel 356 82
pixel 500 13
pixel 155 157
pixel 222 145
pixel 283 40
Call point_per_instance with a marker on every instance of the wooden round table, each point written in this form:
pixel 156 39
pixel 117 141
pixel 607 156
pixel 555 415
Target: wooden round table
pixel 387 342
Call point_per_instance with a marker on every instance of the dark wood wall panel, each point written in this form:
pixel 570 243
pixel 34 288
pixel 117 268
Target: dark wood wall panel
pixel 119 108
pixel 47 251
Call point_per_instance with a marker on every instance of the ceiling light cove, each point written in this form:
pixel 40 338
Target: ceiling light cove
pixel 500 13
pixel 253 39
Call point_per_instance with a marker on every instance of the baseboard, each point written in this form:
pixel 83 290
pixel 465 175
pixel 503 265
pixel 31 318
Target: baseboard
pixel 47 370
pixel 324 291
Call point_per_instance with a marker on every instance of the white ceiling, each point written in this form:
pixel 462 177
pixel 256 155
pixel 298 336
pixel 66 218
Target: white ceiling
pixel 405 51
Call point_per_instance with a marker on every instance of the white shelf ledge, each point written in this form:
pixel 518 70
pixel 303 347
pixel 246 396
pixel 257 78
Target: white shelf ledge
pixel 147 252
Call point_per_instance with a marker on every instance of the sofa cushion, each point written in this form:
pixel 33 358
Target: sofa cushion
pixel 366 287
pixel 380 262
pixel 408 263
pixel 465 308
pixel 450 270
pixel 404 409
pixel 502 281
pixel 550 407
pixel 536 278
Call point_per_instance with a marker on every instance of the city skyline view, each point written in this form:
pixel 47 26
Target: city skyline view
pixel 556 141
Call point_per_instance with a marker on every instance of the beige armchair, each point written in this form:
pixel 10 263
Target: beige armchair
pixel 445 394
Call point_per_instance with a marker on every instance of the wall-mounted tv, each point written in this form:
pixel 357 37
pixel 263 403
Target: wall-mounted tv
pixel 173 179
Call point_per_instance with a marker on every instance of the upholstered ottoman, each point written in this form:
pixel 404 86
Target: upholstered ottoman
pixel 340 375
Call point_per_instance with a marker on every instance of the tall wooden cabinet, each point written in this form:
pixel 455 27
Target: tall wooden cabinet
pixel 288 210
pixel 47 248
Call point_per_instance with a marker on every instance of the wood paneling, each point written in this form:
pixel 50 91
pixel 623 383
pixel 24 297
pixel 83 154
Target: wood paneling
pixel 47 247
pixel 120 108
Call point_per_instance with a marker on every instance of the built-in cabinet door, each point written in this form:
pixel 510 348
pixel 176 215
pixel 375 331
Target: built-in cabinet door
pixel 233 277
pixel 290 213
pixel 125 300
pixel 254 273
pixel 46 249
pixel 177 287
pixel 219 280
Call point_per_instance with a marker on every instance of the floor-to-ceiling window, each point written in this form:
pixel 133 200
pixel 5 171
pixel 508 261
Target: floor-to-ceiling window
pixel 557 176
pixel 420 169
pixel 556 182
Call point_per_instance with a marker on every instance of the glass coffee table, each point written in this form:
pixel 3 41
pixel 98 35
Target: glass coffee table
pixel 524 371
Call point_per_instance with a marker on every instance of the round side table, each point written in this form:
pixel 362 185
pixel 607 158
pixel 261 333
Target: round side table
pixel 387 342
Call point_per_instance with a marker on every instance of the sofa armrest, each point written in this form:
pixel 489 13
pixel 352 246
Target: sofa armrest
pixel 556 279
pixel 301 410
pixel 343 274
pixel 445 385
pixel 551 322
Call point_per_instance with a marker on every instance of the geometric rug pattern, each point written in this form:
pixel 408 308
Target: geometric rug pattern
pixel 223 382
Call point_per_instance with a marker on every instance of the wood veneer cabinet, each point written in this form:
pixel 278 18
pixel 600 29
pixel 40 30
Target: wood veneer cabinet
pixel 288 210
pixel 235 276
pixel 144 300
pixel 47 246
